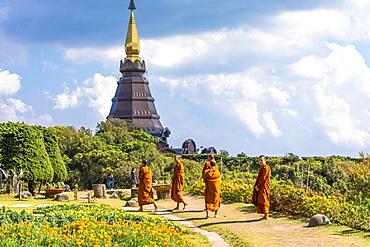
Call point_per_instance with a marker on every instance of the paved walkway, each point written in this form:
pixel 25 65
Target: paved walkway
pixel 213 237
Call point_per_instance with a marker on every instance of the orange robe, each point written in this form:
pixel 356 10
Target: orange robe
pixel 145 192
pixel 206 166
pixel 178 182
pixel 261 198
pixel 213 189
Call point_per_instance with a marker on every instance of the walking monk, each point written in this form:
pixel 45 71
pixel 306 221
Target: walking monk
pixel 207 165
pixel 178 183
pixel 213 188
pixel 261 190
pixel 145 192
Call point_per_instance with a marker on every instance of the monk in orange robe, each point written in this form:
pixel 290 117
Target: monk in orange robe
pixel 213 189
pixel 145 192
pixel 207 165
pixel 178 183
pixel 261 191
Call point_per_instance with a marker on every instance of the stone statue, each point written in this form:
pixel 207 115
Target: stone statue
pixel 13 181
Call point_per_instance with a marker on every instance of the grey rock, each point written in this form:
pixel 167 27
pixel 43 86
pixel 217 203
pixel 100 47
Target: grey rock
pixel 318 220
pixel 131 203
pixel 26 194
pixel 62 197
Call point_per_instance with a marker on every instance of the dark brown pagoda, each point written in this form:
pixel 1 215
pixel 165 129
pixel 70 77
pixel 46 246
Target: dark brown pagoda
pixel 133 99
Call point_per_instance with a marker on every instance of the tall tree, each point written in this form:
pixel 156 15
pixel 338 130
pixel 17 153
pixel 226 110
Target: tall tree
pixel 72 141
pixel 359 181
pixel 52 148
pixel 22 148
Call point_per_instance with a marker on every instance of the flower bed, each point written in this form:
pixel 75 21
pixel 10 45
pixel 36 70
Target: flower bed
pixel 86 225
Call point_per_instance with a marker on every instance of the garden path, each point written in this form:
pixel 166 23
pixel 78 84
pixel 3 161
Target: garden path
pixel 215 239
pixel 241 226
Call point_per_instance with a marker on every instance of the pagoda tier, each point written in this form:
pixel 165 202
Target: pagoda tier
pixel 133 99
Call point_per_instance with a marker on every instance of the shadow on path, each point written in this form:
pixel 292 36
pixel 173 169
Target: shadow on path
pixel 226 222
pixel 186 211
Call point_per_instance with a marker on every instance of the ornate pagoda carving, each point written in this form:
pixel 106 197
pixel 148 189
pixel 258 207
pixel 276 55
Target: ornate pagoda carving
pixel 133 99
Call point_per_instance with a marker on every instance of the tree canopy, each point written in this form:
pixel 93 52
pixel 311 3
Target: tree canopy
pixel 26 148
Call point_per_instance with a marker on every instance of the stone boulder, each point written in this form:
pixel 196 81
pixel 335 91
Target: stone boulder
pixel 26 194
pixel 131 203
pixel 62 197
pixel 318 220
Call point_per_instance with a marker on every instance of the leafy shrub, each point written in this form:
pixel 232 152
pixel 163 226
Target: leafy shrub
pixel 236 192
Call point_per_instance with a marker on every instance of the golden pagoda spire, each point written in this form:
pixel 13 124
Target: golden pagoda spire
pixel 132 45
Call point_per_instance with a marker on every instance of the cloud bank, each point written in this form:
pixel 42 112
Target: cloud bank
pixel 283 74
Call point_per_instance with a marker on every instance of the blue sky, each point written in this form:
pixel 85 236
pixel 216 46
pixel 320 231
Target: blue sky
pixel 259 77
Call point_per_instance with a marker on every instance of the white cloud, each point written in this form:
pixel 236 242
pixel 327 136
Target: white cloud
pixel 281 97
pixel 96 93
pixel 310 66
pixel 8 113
pixel 248 113
pixel 108 57
pixel 290 112
pixel 172 51
pixel 14 110
pixel 67 100
pixel 43 120
pixel 241 96
pixel 9 83
pixel 49 66
pixel 270 124
pixel 339 125
pixel 341 83
pixel 19 106
pixel 288 35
